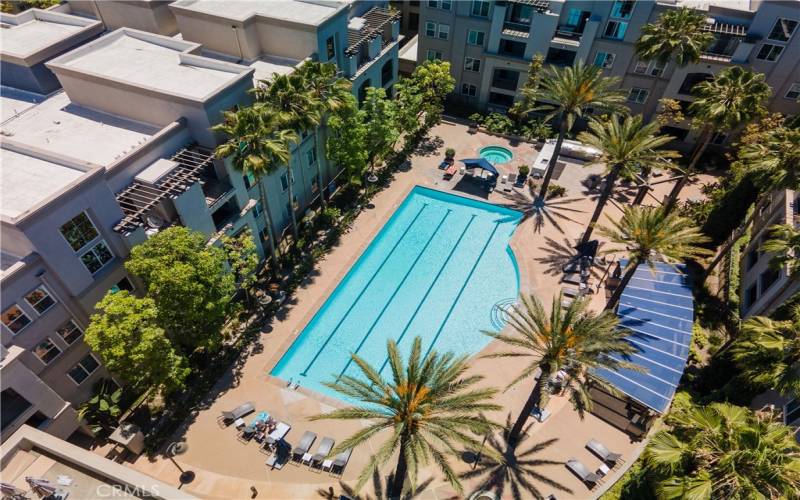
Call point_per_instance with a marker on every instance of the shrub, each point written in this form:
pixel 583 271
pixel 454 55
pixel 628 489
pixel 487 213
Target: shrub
pixel 537 130
pixel 498 124
pixel 329 216
pixel 450 153
pixel 555 191
pixel 477 118
pixel 524 170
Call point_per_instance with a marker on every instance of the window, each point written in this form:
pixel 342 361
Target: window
pixel 440 4
pixel 768 278
pixel 430 29
pixel 13 406
pixel 257 209
pixel 794 92
pixel 79 231
pixel 719 138
pixel 751 295
pixel 46 351
pixel 284 181
pixel 560 57
pixel 311 157
pixel 69 332
pixel 96 257
pixel 769 52
pixel 433 55
pixel 752 258
pixel 469 90
pixel 15 319
pixel 511 48
pixel 574 17
pixel 650 68
pixel 480 8
pixel 693 79
pixel 475 37
pixel 40 300
pixel 249 180
pixel 330 48
pixel 782 30
pixel 615 30
pixel 123 284
pixel 83 369
pixel 444 32
pixel 472 64
pixel 622 9
pixel 791 411
pixel 446 4
pixel 638 95
pixel 604 60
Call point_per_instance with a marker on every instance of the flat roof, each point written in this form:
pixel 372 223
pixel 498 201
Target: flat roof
pixel 267 66
pixel 60 128
pixel 27 181
pixel 409 51
pixel 309 12
pixel 15 101
pixel 36 30
pixel 151 61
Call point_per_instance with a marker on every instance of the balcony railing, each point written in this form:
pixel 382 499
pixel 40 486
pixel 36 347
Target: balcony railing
pixel 569 33
pixel 513 26
pixel 504 83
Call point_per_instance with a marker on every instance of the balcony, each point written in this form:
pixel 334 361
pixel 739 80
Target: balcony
pixel 519 30
pixel 216 191
pixel 567 35
pixel 510 48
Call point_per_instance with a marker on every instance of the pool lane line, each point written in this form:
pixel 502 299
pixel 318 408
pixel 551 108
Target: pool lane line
pixel 430 288
pixel 394 293
pixel 463 287
pixel 363 290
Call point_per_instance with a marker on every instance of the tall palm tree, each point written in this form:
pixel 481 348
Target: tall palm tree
pixel 724 451
pixel 327 94
pixel 257 150
pixel 649 234
pixel 678 35
pixel 429 406
pixel 768 353
pixel 734 97
pixel 628 147
pixel 570 92
pixel 776 163
pixel 784 243
pixel 569 340
pixel 284 98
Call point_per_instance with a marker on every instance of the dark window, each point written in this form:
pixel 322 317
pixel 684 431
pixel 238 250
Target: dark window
pixel 36 420
pixel 560 57
pixel 782 30
pixel 519 13
pixel 750 296
pixel 769 52
pixel 246 179
pixel 79 231
pixel 480 8
pixel 693 79
pixel 791 411
pixel 678 133
pixel 505 79
pixel 123 284
pixel 15 319
pixel 768 278
pixel 413 21
pixel 69 332
pixel 362 91
pixel 330 48
pixel 387 72
pixel 622 9
pixel 83 369
pixel 511 48
pixel 39 299
pixel 12 405
pixel 225 213
pixel 498 99
pixel 752 258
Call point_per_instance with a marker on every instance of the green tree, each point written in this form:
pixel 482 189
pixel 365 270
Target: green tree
pixel 519 111
pixel 627 148
pixel 102 410
pixel 570 340
pixel 784 243
pixel 256 150
pixel 382 131
pixel 347 141
pixel 734 97
pixel 724 451
pixel 569 92
pixel 125 334
pixel 328 93
pixel 679 36
pixel 768 353
pixel 648 235
pixel 242 256
pixel 189 283
pixel 422 95
pixel 429 406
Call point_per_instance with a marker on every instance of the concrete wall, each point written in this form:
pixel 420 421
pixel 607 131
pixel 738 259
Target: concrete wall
pixel 153 16
pixel 36 78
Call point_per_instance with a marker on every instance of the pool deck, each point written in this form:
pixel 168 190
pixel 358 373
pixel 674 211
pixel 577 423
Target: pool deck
pixel 227 468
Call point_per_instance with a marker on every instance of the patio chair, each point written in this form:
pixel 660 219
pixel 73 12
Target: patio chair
pixel 583 472
pixel 281 455
pixel 304 445
pixel 340 462
pixel 229 417
pixel 604 453
pixel 325 447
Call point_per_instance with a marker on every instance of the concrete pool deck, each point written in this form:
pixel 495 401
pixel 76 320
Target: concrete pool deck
pixel 227 468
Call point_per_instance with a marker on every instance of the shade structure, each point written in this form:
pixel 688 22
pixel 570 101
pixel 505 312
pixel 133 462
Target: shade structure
pixel 480 163
pixel 658 309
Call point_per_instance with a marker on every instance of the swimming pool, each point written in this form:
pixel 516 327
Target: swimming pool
pixel 439 269
pixel 496 154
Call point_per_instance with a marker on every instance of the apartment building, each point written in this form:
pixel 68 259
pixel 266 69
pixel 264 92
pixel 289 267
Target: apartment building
pixel 763 288
pixel 490 43
pixel 153 16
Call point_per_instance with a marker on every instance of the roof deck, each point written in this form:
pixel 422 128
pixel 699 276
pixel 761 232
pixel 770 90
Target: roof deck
pixel 152 62
pixel 36 34
pixel 306 12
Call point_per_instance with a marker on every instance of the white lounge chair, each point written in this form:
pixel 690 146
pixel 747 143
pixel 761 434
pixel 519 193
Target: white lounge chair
pixel 237 413
pixel 583 472
pixel 604 453
pixel 304 445
pixel 325 447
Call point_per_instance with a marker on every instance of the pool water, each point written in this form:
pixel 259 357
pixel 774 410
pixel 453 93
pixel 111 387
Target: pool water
pixel 440 268
pixel 496 154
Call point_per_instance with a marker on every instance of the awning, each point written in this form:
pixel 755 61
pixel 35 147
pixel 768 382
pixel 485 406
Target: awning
pixel 480 163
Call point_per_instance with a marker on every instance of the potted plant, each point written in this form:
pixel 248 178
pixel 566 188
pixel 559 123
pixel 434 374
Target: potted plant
pixel 524 170
pixel 475 121
pixel 450 155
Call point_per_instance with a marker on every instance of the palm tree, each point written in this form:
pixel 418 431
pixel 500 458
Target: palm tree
pixel 784 242
pixel 284 98
pixel 724 451
pixel 776 163
pixel 257 150
pixel 678 35
pixel 769 353
pixel 649 234
pixel 628 147
pixel 430 406
pixel 327 94
pixel 568 340
pixel 571 92
pixel 734 97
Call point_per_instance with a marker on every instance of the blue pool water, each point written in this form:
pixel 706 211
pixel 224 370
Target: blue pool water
pixel 437 269
pixel 496 154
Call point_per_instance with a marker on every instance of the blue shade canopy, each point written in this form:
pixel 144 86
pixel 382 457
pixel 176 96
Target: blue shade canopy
pixel 658 309
pixel 480 163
